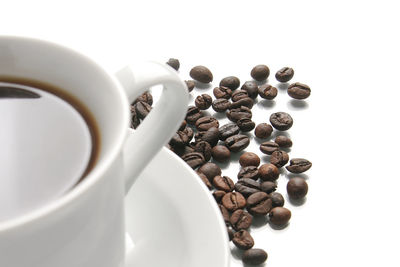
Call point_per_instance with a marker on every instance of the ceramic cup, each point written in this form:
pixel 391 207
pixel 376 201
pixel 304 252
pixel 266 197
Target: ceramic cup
pixel 85 227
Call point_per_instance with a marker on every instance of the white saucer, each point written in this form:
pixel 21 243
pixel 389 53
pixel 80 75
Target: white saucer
pixel 173 219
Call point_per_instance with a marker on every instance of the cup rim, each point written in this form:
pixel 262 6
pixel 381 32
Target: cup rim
pixel 98 171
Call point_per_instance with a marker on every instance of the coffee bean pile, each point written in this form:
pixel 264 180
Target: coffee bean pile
pixel 254 192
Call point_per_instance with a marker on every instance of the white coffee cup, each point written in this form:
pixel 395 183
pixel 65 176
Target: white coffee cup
pixel 85 227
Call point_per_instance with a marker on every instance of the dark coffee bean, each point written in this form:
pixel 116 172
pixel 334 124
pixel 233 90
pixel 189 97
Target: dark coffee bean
pixel 241 220
pixel 245 124
pixel 218 195
pixel 281 121
pixel 182 150
pixel 268 187
pixel 142 109
pixel 237 142
pixel 221 104
pixel 211 136
pixel 189 132
pixel 174 63
pixel 247 102
pixel 223 183
pixel 205 180
pixel 180 139
pixel 267 91
pixel 249 172
pixel 260 73
pixel 249 159
pixel 247 186
pixel 299 91
pixel 194 159
pixel 231 82
pixel 280 216
pixel 190 85
pixel 222 92
pixel 233 201
pixel 204 148
pixel 228 130
pixel 277 199
pixel 263 130
pixel 193 114
pixel 251 88
pixel 239 94
pixel 298 165
pixel 203 101
pixel 269 147
pixel 279 158
pixel 145 97
pixel 284 75
pixel 210 170
pixel 221 153
pixel 259 203
pixel 230 233
pixel 205 123
pixel 283 141
pixel 243 240
pixel 254 256
pixel 225 213
pixel 238 113
pixel 201 74
pixel 183 125
pixel 135 121
pixel 268 172
pixel 297 188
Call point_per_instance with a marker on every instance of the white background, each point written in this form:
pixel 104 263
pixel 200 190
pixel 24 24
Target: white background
pixel 346 51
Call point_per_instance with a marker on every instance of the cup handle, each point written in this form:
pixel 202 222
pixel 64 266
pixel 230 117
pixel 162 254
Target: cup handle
pixel 163 120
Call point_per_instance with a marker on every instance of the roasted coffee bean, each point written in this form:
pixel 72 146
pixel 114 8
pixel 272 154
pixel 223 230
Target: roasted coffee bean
pixel 249 159
pixel 269 147
pixel 182 150
pixel 280 216
pixel 254 256
pixel 263 130
pixel 183 125
pixel 223 183
pixel 268 172
pixel 245 124
pixel 145 97
pixel 284 75
pixel 228 130
pixel 268 187
pixel 180 139
pixel 201 74
pixel 189 132
pixel 193 114
pixel 238 113
pixel 190 85
pixel 298 165
pixel 222 92
pixel 135 121
pixel 239 94
pixel 218 195
pixel 299 91
pixel 283 141
pixel 221 104
pixel 194 159
pixel 241 220
pixel 174 63
pixel 221 153
pixel 233 201
pixel 142 109
pixel 210 170
pixel 204 148
pixel 277 199
pixel 211 136
pixel 247 186
pixel 231 82
pixel 259 203
pixel 281 121
pixel 205 180
pixel 243 240
pixel 260 73
pixel 251 88
pixel 249 172
pixel 267 91
pixel 230 233
pixel 297 188
pixel 237 142
pixel 203 101
pixel 247 102
pixel 225 213
pixel 279 158
pixel 205 123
